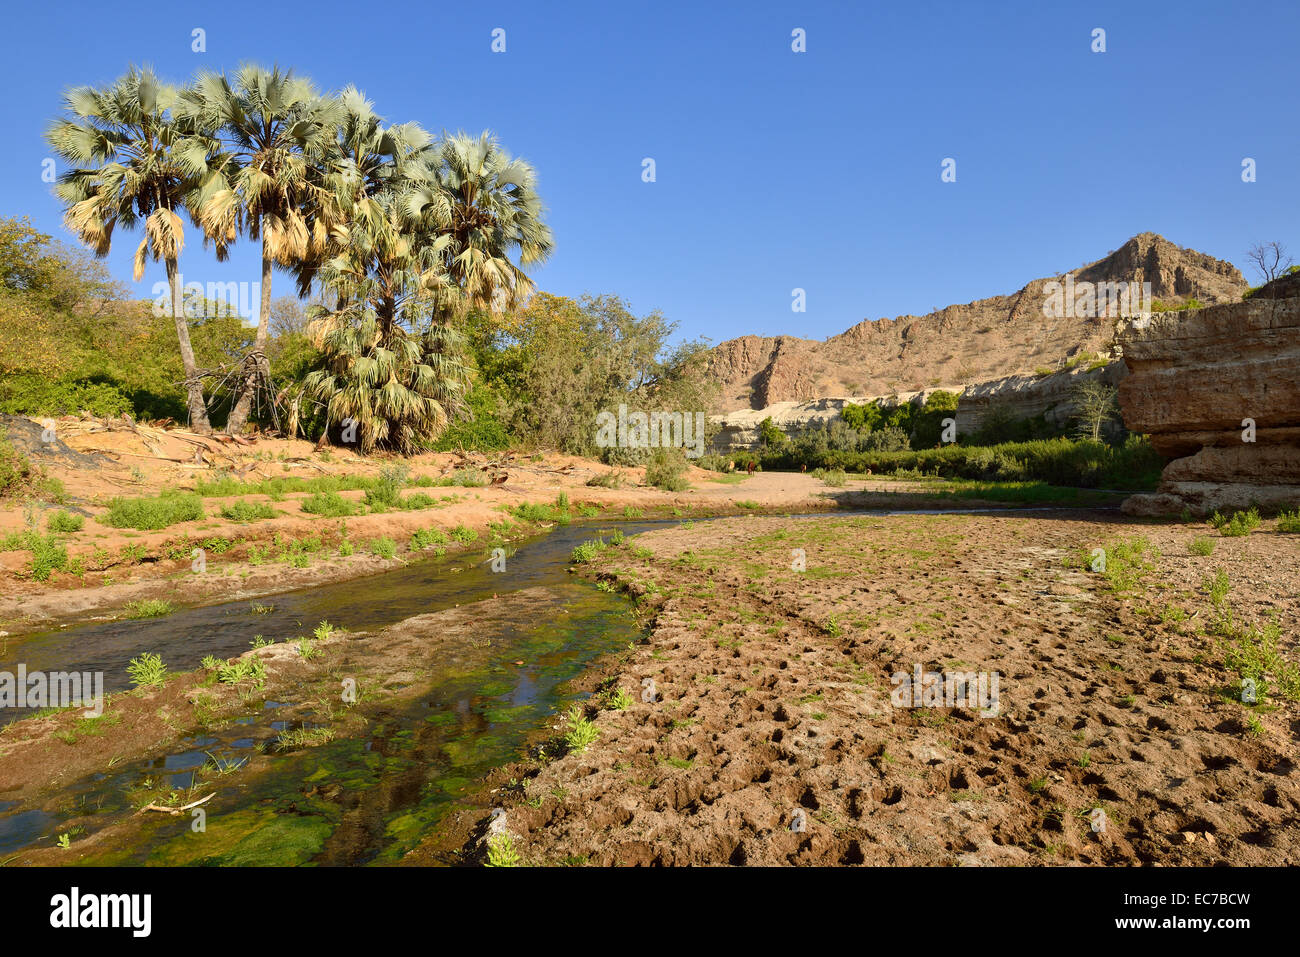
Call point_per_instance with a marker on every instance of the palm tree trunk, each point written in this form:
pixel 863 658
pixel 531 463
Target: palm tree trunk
pixel 244 401
pixel 193 388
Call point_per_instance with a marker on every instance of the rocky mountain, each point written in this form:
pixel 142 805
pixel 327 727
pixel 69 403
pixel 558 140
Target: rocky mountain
pixel 966 344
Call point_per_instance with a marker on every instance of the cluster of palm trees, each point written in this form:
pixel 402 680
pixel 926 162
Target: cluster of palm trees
pixel 399 231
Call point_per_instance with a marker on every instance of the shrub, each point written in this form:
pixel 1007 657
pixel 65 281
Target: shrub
pixel 832 477
pixel 329 504
pixel 1289 521
pixel 15 471
pixel 149 514
pixel 384 547
pixel 582 733
pixel 48 555
pixel 1241 523
pixel 64 522
pixel 587 551
pixel 1201 545
pixel 245 511
pixel 1059 461
pixel 463 534
pixel 149 608
pixel 424 537
pixel 147 670
pixel 666 470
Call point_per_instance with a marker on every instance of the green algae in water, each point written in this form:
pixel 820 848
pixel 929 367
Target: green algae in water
pixel 249 839
pixel 402 774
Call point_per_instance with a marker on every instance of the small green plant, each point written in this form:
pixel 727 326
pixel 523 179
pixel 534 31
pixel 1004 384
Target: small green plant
pixel 1289 521
pixel 149 608
pixel 501 851
pixel 1241 523
pixel 1201 545
pixel 64 522
pixel 383 547
pixel 252 670
pixel 147 670
pixel 324 630
pixel 306 650
pixel 463 534
pixel 582 733
pixel 424 537
pixel 48 555
pixel 1217 587
pixel 587 551
pixel 65 841
pixel 618 699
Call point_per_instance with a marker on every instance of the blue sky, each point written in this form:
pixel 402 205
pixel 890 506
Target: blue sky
pixel 775 169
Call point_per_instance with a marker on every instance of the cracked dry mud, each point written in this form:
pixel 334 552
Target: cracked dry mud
pixel 773 694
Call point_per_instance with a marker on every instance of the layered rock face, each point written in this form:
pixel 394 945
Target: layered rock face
pixel 739 430
pixel 949 348
pixel 1194 380
pixel 1011 397
pixel 1027 397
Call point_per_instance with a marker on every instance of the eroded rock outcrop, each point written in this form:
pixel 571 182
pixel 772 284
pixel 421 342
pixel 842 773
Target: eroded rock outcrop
pixel 961 344
pixel 1217 390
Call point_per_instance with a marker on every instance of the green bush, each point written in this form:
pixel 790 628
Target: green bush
pixel 1289 521
pixel 48 555
pixel 15 471
pixel 383 547
pixel 424 537
pixel 147 670
pixel 35 395
pixel 832 477
pixel 666 470
pixel 64 522
pixel 245 511
pixel 329 504
pixel 1239 525
pixel 1060 461
pixel 149 514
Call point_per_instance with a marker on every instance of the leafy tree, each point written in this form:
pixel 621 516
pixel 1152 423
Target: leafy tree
pixel 1096 403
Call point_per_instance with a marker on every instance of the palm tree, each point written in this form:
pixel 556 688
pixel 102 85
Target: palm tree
pixel 494 211
pixel 277 130
pixel 388 366
pixel 133 163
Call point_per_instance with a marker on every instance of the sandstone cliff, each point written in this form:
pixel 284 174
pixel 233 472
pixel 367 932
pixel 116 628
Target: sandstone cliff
pixel 1194 379
pixel 987 339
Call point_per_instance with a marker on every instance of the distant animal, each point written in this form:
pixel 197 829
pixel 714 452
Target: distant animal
pixel 750 467
pixel 500 479
pixel 803 468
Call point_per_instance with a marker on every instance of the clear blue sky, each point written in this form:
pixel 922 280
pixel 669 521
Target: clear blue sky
pixel 775 169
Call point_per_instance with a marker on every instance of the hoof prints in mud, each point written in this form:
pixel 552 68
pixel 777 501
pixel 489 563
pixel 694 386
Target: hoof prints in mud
pixel 1112 745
